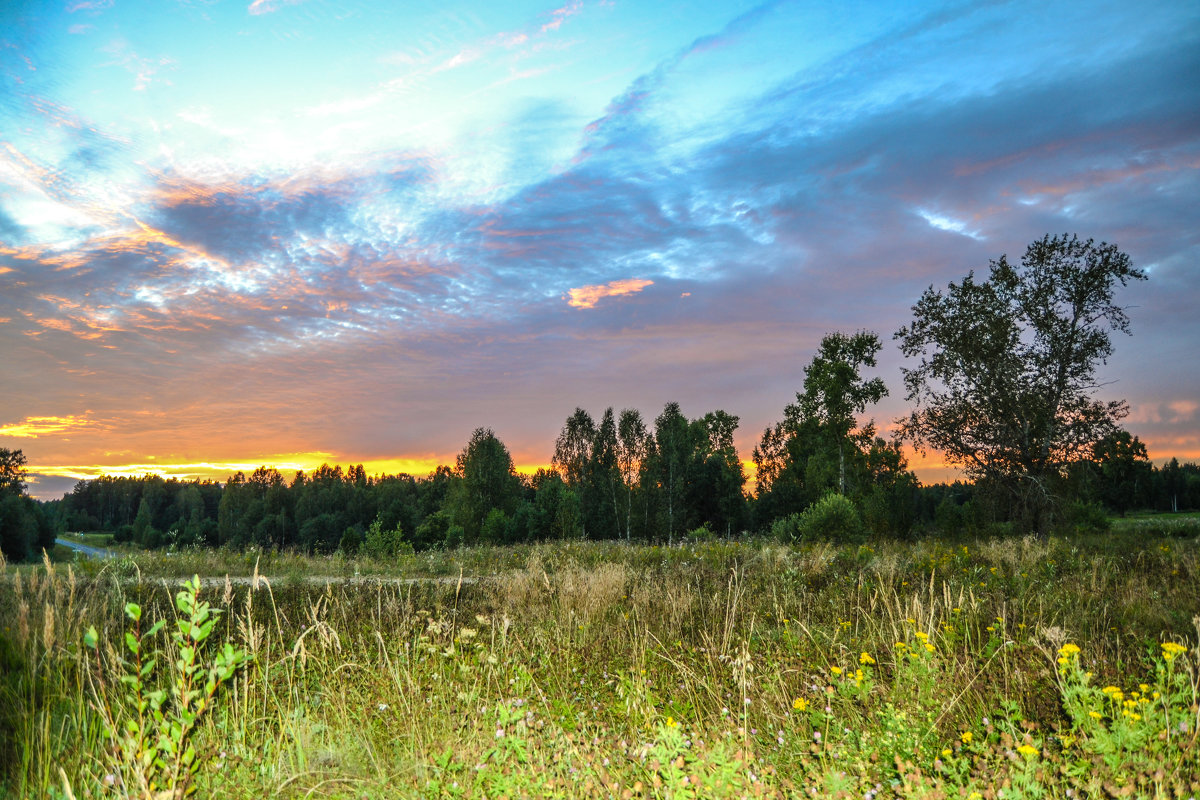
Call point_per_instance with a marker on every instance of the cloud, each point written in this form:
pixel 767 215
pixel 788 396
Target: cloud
pixel 588 296
pixel 33 427
pixel 260 7
pixel 560 15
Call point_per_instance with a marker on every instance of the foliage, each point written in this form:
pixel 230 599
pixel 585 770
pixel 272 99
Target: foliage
pixel 151 725
pixel 819 446
pixel 486 481
pixel 832 518
pixel 1005 384
pixel 834 392
pixel 24 529
pixel 382 544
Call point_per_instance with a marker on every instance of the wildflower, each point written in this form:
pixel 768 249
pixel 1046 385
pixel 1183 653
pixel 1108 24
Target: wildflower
pixel 900 645
pixel 946 753
pixel 1172 649
pixel 1095 715
pixel 1068 650
pixel 1027 751
pixel 967 737
pixel 865 658
pixel 383 706
pixel 836 670
pixel 800 704
pixel 929 647
pixel 671 723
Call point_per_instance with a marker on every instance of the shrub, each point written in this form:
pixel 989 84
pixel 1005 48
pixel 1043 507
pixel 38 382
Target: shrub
pixel 384 545
pixel 350 542
pixel 833 517
pixel 1083 517
pixel 701 534
pixel 786 529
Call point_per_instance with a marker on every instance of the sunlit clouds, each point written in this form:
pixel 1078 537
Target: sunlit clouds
pixel 355 232
pixel 588 296
pixel 33 427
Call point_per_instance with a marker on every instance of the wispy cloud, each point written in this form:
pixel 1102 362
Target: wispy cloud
pixel 260 7
pixel 588 296
pixel 33 427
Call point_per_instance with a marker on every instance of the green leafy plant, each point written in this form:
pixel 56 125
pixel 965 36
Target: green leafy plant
pixel 151 718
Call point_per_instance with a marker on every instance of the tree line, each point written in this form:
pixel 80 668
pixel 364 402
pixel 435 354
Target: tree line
pixel 1004 387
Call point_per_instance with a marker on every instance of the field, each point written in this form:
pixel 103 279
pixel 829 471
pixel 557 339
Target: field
pixel 969 668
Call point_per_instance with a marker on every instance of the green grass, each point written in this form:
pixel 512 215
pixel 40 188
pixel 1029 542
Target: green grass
pixel 723 669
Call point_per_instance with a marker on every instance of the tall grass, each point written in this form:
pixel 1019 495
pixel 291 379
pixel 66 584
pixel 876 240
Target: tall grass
pixel 605 670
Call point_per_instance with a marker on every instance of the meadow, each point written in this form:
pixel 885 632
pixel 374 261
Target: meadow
pixel 973 668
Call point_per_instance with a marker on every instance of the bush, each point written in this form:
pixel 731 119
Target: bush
pixel 1083 517
pixel 350 542
pixel 786 529
pixel 701 534
pixel 833 517
pixel 384 545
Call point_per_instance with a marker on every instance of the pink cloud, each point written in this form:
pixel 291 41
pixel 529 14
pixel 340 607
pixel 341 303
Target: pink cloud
pixel 560 15
pixel 588 296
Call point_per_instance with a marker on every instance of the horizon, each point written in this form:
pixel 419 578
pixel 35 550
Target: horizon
pixel 294 232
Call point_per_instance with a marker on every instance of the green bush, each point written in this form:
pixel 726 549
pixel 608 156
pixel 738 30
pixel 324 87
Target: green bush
pixel 1083 517
pixel 701 534
pixel 786 529
pixel 833 517
pixel 350 542
pixel 384 545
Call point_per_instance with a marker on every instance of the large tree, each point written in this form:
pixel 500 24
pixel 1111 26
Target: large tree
pixel 1007 374
pixel 487 481
pixel 835 393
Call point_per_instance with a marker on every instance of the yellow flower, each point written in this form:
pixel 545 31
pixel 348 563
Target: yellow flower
pixel 671 723
pixel 946 753
pixel 929 647
pixel 901 645
pixel 865 658
pixel 1068 650
pixel 1143 686
pixel 1095 715
pixel 800 704
pixel 836 670
pixel 1027 751
pixel 921 635
pixel 966 737
pixel 1172 649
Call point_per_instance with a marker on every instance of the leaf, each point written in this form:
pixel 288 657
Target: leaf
pixel 91 638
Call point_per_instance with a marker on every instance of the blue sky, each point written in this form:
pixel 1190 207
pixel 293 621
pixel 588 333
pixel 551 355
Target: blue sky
pixel 235 233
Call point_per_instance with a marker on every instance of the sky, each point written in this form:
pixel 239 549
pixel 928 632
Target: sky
pixel 285 232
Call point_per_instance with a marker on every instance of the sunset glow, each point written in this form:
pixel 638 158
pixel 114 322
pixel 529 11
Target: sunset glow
pixel 288 232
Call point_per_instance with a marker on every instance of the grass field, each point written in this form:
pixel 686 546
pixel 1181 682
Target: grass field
pixel 974 668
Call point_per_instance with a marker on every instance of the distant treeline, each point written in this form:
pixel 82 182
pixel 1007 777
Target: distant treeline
pixel 616 479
